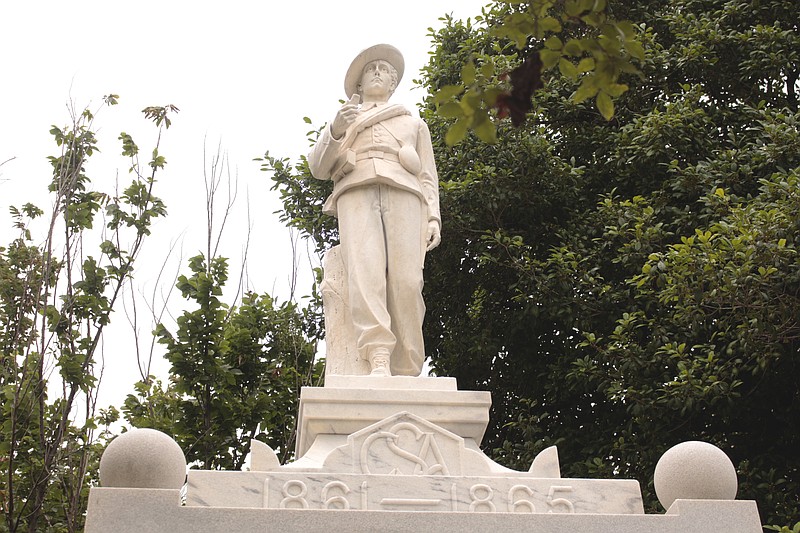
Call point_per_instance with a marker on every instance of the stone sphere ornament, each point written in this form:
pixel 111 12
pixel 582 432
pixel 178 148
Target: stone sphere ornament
pixel 145 459
pixel 694 470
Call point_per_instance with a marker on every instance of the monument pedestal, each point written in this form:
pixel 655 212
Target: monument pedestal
pixel 350 403
pixel 399 454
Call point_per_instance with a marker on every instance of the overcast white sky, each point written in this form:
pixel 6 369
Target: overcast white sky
pixel 244 74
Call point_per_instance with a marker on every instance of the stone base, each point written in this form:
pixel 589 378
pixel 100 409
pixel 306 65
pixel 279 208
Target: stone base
pixel 399 454
pixel 117 510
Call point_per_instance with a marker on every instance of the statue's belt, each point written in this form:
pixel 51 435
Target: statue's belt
pixel 407 157
pixel 377 154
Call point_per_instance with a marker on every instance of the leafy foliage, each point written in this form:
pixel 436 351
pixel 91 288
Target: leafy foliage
pixel 621 286
pixel 302 196
pixel 577 40
pixel 235 373
pixel 55 301
pixel 785 529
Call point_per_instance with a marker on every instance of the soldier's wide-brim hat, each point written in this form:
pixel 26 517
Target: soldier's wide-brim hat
pixel 386 52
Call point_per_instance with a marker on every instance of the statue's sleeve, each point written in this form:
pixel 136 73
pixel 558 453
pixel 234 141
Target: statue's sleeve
pixel 428 177
pixel 324 154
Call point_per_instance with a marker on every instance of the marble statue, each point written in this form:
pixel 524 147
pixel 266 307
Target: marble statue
pixel 386 199
pixel 374 438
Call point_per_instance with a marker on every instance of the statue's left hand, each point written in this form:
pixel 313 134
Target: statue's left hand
pixel 434 235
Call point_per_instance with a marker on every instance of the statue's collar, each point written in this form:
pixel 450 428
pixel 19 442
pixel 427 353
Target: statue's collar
pixel 371 105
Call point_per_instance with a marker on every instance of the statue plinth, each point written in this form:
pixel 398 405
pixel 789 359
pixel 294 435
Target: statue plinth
pixel 348 404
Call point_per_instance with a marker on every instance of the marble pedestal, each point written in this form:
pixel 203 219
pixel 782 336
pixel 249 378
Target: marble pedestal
pixel 399 454
pixel 350 403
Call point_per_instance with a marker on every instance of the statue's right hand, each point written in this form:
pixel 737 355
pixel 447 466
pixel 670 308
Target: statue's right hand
pixel 344 117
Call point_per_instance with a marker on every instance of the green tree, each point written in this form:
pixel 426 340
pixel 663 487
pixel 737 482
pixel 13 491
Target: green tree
pixel 625 285
pixel 55 302
pixel 622 285
pixel 236 371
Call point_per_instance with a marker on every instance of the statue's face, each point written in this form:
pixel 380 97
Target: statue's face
pixel 377 80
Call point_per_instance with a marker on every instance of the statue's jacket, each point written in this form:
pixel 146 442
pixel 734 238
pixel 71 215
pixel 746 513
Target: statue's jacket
pixel 385 145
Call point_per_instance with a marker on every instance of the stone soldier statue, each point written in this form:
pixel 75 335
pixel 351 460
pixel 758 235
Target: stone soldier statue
pixel 386 197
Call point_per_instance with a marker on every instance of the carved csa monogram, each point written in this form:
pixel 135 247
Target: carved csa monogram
pixel 405 446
